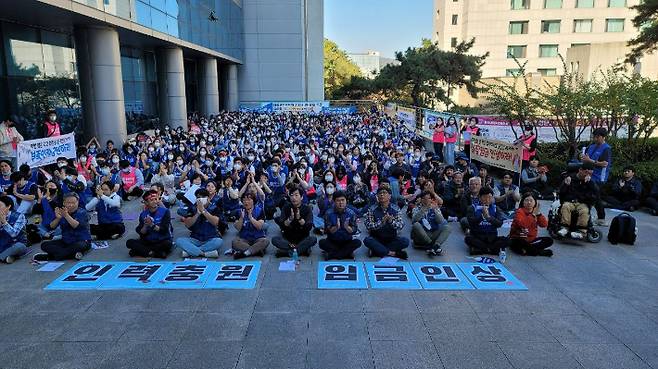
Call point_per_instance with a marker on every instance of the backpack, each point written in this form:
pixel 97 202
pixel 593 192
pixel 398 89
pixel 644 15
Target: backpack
pixel 622 229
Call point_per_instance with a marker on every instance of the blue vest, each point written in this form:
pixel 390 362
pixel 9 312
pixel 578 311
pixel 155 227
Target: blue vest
pixel 202 229
pixel 157 220
pixel 273 183
pixel 415 168
pixel 600 174
pixel 6 240
pixel 432 219
pixel 229 203
pixel 81 232
pixel 484 227
pixel 108 214
pixel 508 204
pixel 5 183
pixel 248 231
pixel 347 217
pixel 84 194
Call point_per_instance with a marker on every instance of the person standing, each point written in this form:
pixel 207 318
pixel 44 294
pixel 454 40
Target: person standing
pixel 51 126
pixel 528 141
pixel 599 154
pixel 295 222
pixel 9 139
pixel 438 137
pixel 451 134
pixel 468 132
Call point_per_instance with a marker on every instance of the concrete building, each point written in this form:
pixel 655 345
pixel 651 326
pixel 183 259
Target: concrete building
pixel 535 31
pixel 113 67
pixel 371 62
pixel 589 60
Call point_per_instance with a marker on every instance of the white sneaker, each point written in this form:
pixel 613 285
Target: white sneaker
pixel 563 232
pixel 211 254
pixel 184 254
pixel 502 255
pixel 78 256
pixel 229 252
pixel 453 219
pixel 577 235
pixel 601 223
pixel 9 259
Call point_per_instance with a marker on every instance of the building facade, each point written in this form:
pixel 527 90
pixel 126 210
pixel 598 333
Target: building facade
pixel 533 31
pixel 371 62
pixel 114 67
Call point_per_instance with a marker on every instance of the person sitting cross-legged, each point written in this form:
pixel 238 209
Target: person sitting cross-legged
pixel 626 191
pixel 203 222
pixel 383 222
pixel 154 229
pixel 523 233
pixel 13 239
pixel 295 222
pixel 251 239
pixel 484 219
pixel 107 204
pixel 429 229
pixel 340 227
pixel 76 238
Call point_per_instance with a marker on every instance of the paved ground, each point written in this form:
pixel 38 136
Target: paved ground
pixel 589 306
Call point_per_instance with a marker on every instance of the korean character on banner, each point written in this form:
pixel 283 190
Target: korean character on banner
pixel 439 274
pixel 88 273
pixel 493 274
pixel 141 272
pixel 234 272
pixel 340 273
pixel 390 273
pixel 188 272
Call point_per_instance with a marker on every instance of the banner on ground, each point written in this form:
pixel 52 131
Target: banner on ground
pixel 408 116
pixel 496 153
pixel 44 151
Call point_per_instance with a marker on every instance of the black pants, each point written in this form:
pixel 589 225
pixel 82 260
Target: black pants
pixel 144 248
pixel 136 192
pixel 534 248
pixel 60 250
pixel 652 203
pixel 467 150
pixel 339 250
pixel 438 150
pixel 303 247
pixel 616 203
pixel 486 245
pixel 107 230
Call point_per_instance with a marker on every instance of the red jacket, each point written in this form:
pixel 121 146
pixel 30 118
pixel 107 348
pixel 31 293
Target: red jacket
pixel 524 219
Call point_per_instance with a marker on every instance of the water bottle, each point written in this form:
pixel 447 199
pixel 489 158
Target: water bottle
pixel 295 256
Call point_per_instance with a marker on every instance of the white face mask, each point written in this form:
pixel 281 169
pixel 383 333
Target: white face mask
pixel 127 170
pixel 70 178
pixel 202 153
pixel 329 178
pixel 61 164
pixel 357 180
pixel 83 160
pixel 251 157
pixel 323 157
pixel 237 166
pixel 115 160
pixel 179 162
pixel 203 200
pixel 170 157
pixel 330 190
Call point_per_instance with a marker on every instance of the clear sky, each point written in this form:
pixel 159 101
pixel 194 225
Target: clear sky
pixel 386 26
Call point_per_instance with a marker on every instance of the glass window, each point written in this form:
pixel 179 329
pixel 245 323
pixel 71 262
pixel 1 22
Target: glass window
pixel 513 72
pixel 550 26
pixel 552 4
pixel 614 25
pixel 24 54
pixel 579 44
pixel 172 8
pixel 453 42
pixel 547 71
pixel 516 51
pixel 143 13
pixel 584 3
pixel 518 28
pixel 172 26
pixel 520 4
pixel 548 51
pixel 159 20
pixel 454 19
pixel 582 25
pixel 159 4
pixel 616 3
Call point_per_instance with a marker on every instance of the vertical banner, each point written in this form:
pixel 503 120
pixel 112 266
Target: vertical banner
pixel 496 153
pixel 44 151
pixel 408 116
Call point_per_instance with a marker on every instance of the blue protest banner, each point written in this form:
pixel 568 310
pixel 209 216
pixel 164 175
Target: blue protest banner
pixel 85 276
pixel 391 276
pixel 341 275
pixel 233 275
pixel 491 277
pixel 441 276
pixel 186 275
pixel 138 276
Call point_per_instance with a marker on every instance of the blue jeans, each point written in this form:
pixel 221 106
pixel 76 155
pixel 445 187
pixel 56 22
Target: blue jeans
pixel 318 222
pixel 449 155
pixel 381 250
pixel 43 230
pixel 195 247
pixel 17 249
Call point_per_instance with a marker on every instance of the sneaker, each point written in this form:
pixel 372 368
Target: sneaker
pixel 211 254
pixel 239 255
pixel 229 252
pixel 357 233
pixel 563 232
pixel 438 251
pixel 453 219
pixel 116 236
pixel 79 255
pixel 401 255
pixel 467 232
pixel 601 223
pixel 370 253
pixel 430 252
pixel 502 255
pixel 9 259
pixel 548 253
pixel 132 253
pixel 41 256
pixel 577 235
pixel 184 254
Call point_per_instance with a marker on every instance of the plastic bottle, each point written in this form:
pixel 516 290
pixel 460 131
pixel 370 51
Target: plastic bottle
pixel 295 256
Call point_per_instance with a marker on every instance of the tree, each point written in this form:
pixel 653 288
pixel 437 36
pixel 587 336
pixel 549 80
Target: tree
pixel 646 21
pixel 338 68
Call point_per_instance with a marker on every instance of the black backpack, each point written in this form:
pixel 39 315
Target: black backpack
pixel 622 229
